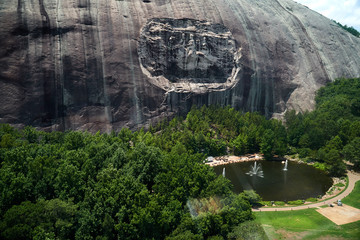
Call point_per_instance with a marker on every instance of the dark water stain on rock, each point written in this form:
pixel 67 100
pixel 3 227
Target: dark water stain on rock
pixel 102 65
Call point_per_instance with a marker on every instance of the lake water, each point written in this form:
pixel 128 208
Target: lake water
pixel 300 181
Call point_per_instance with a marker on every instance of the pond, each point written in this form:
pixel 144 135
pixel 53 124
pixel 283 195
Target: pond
pixel 300 181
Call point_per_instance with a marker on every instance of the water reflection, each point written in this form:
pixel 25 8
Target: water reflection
pixel 299 182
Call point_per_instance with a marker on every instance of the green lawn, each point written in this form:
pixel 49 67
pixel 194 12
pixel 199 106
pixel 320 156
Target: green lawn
pixel 354 198
pixel 309 224
pixel 304 224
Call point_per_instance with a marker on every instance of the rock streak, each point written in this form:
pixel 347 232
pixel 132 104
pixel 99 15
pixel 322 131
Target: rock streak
pixel 104 64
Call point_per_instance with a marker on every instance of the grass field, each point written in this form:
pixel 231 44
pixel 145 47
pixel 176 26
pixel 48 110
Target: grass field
pixel 354 198
pixel 309 224
pixel 305 224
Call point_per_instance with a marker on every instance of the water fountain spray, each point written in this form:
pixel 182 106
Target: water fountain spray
pixel 256 170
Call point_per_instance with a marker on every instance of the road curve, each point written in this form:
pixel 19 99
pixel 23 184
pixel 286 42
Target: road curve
pixel 353 178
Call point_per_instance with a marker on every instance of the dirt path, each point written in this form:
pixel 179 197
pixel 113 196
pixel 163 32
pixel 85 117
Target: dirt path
pixel 353 178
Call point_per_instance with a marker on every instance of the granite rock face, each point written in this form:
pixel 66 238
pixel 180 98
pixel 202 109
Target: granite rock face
pixel 105 64
pixel 188 51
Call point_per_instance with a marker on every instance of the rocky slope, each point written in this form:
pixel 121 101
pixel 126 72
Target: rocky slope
pixel 104 64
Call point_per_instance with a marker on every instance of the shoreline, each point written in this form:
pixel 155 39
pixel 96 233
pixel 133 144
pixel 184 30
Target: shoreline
pixel 332 192
pixel 228 159
pixel 352 177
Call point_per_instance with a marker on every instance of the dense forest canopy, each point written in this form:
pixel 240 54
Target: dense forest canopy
pixel 153 184
pixel 331 133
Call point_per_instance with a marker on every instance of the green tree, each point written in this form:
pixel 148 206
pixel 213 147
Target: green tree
pixel 334 143
pixel 144 163
pixel 44 218
pixel 267 144
pixel 352 152
pixel 295 127
pixel 7 141
pixel 248 230
pixel 240 144
pixel 74 140
pixel 69 182
pixel 351 30
pixel 252 197
pixel 336 166
pixel 30 134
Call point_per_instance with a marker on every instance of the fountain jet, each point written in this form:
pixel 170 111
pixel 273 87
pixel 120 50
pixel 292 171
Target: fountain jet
pixel 223 172
pixel 256 170
pixel 286 164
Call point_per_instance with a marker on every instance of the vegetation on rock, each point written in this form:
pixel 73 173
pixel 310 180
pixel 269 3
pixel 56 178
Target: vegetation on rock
pixel 351 30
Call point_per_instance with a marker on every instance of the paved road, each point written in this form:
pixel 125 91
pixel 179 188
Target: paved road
pixel 353 178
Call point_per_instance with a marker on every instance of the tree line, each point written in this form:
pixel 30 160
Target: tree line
pixel 76 185
pixel 349 29
pixel 331 133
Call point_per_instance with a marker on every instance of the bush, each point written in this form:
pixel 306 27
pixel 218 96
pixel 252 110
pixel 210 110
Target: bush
pixel 292 151
pixel 265 203
pixel 215 238
pixel 297 202
pixel 304 152
pixel 279 203
pixel 307 160
pixel 311 199
pixel 321 166
pixel 252 197
pixel 248 230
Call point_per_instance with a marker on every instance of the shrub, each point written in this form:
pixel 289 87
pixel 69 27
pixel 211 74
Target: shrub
pixel 304 152
pixel 252 197
pixel 265 203
pixel 297 202
pixel 339 185
pixel 248 230
pixel 320 166
pixel 279 203
pixel 311 199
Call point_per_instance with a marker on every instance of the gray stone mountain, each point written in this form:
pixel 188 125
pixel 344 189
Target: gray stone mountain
pixel 104 64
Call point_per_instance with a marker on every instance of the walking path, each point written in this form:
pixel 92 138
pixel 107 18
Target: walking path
pixel 353 178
